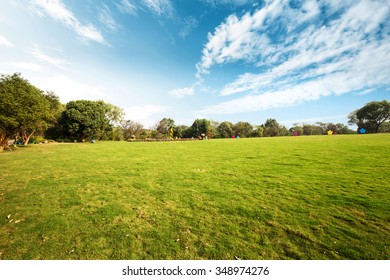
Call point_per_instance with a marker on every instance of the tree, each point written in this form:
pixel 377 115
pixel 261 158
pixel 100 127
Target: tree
pixel 243 129
pixel 258 131
pixel 199 126
pixel 297 128
pixel 371 116
pixel 310 129
pixel 56 107
pixel 271 128
pixel 86 120
pixel 163 127
pixel 24 109
pixel 131 128
pixel 225 129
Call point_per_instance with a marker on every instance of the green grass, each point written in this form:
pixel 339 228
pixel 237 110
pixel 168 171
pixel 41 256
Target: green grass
pixel 320 197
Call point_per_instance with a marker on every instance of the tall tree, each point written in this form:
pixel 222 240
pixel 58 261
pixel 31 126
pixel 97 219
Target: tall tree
pixel 371 115
pixel 200 126
pixel 271 128
pixel 24 109
pixel 243 129
pixel 163 127
pixel 131 128
pixel 86 120
pixel 225 129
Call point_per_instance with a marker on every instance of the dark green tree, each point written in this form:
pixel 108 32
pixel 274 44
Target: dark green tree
pixel 371 116
pixel 200 126
pixel 24 109
pixel 310 129
pixel 86 119
pixel 243 129
pixel 163 127
pixel 225 129
pixel 271 128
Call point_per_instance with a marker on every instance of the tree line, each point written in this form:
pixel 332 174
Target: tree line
pixel 28 114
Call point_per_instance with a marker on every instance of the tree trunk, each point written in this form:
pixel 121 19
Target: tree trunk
pixel 4 144
pixel 26 137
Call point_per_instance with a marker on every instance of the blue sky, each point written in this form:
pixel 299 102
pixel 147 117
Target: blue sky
pixel 233 60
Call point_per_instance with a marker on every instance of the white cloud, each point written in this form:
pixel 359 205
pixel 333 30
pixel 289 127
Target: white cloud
pixel 303 58
pixel 147 114
pixel 70 89
pixel 106 18
pixel 189 24
pixel 181 92
pixel 5 42
pixel 127 7
pixel 27 66
pixel 215 3
pixel 38 54
pixel 58 11
pixel 160 7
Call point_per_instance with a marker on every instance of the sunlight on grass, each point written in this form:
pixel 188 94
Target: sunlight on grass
pixel 273 198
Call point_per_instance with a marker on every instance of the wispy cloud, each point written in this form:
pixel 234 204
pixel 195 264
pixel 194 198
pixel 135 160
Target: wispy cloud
pixel 41 56
pixel 181 92
pixel 5 42
pixel 308 55
pixel 189 24
pixel 27 66
pixel 58 11
pixel 160 7
pixel 105 17
pixel 127 7
pixel 215 3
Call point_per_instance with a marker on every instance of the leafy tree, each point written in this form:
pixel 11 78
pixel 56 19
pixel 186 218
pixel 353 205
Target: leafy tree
pixel 163 127
pixel 258 131
pixel 56 107
pixel 371 115
pixel 24 109
pixel 243 129
pixel 310 129
pixel 86 120
pixel 271 128
pixel 131 128
pixel 179 131
pixel 297 128
pixel 225 129
pixel 200 126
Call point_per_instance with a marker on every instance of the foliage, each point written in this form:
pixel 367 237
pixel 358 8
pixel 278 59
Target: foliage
pixel 371 116
pixel 272 128
pixel 225 129
pixel 200 126
pixel 86 120
pixel 24 109
pixel 243 129
pixel 163 127
pixel 131 128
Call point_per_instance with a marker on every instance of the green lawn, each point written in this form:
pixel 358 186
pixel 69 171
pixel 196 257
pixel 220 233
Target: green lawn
pixel 318 197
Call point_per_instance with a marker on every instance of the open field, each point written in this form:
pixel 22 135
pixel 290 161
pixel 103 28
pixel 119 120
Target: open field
pixel 318 197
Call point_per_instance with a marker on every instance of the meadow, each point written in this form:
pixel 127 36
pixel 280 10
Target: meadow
pixel 314 197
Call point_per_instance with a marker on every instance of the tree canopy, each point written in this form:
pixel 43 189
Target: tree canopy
pixel 24 109
pixel 371 116
pixel 86 119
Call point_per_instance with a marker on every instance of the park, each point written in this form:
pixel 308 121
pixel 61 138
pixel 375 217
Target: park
pixel 307 197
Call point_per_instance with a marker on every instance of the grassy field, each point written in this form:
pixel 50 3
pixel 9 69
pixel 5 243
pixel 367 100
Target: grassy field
pixel 319 197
